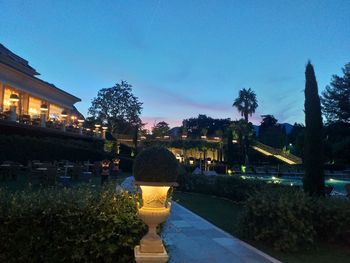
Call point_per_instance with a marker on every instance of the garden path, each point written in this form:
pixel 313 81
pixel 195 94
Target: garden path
pixel 191 239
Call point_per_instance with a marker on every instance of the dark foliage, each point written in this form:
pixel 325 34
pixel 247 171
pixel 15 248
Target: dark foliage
pixel 22 149
pixel 68 225
pixel 336 98
pixel 155 164
pixel 313 149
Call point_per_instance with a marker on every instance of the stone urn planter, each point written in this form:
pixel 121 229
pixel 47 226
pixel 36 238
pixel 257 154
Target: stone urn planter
pixel 155 172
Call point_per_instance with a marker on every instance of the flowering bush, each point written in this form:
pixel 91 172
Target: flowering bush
pixel 68 225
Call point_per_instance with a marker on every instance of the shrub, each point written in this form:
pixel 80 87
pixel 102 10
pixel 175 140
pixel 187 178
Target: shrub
pixel 23 148
pixel 68 225
pixel 332 220
pixel 155 164
pixel 283 219
pixel 234 188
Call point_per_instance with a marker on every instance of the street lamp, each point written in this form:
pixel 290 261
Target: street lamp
pixel 97 129
pixel 80 124
pixel 104 130
pixel 43 110
pixel 13 99
pixel 64 115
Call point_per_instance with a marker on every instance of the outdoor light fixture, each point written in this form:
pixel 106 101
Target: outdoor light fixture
pixel 81 121
pixel 191 161
pixel 64 114
pixel 88 129
pixel 44 107
pixel 203 137
pixel 229 172
pixel 73 117
pixel 208 161
pixel 166 137
pixel 14 98
pixel 97 125
pixel 143 137
pixel 104 128
pixel 184 136
pixel 156 204
pixel 234 141
pixel 216 138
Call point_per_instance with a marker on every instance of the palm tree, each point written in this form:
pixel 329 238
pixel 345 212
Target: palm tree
pixel 246 103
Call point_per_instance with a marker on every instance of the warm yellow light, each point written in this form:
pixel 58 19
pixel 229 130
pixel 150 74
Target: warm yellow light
pixel 33 111
pixel 104 128
pixel 229 171
pixel 235 141
pixel 64 114
pixel 44 107
pixel 262 151
pixel 166 137
pixel 81 120
pixel 14 97
pixel 284 159
pixel 97 125
pixel 154 196
pixel 203 137
pixel 143 137
pixel 216 138
pixel 191 162
pixel 73 117
pixel 184 136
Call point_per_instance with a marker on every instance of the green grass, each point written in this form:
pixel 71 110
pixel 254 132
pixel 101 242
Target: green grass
pixel 225 214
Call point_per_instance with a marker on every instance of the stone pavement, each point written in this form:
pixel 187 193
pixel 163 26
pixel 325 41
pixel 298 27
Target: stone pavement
pixel 191 239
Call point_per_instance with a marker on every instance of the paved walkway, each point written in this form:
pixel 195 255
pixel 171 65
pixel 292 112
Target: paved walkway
pixel 191 239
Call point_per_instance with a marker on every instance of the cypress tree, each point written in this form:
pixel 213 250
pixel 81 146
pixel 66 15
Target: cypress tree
pixel 313 153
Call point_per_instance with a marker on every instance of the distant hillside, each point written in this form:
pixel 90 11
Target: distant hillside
pixel 287 126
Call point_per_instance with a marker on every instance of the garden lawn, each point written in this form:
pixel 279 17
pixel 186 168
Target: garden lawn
pixel 225 214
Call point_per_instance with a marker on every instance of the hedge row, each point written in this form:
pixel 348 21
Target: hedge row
pixel 231 187
pixel 290 220
pixel 68 225
pixel 25 148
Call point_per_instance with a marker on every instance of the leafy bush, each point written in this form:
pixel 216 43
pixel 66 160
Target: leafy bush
pixel 332 220
pixel 68 225
pixel 23 148
pixel 283 219
pixel 155 164
pixel 290 220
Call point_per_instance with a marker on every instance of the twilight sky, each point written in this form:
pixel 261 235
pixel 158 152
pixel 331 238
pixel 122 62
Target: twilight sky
pixel 183 58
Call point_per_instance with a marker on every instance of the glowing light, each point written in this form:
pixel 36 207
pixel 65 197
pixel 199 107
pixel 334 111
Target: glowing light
pixel 243 169
pixel 14 98
pixel 64 114
pixel 97 125
pixel 229 172
pixel 331 179
pixel 216 138
pixel 291 184
pixel 154 196
pixel 184 136
pixel 104 128
pixel 191 162
pixel 235 141
pixel 33 111
pixel 81 120
pixel 166 137
pixel 44 107
pixel 203 137
pixel 274 178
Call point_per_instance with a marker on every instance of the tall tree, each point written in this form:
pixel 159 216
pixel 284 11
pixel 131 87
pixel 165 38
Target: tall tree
pixel 246 103
pixel 336 98
pixel 313 152
pixel 119 107
pixel 160 129
pixel 271 132
pixel 243 134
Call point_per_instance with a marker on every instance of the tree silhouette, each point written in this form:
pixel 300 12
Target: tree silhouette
pixel 313 152
pixel 246 103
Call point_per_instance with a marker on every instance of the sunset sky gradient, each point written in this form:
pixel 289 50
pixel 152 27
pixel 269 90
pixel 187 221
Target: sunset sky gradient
pixel 183 58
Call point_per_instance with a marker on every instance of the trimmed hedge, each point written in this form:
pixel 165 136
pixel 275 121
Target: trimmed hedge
pixel 68 225
pixel 231 187
pixel 155 164
pixel 24 148
pixel 290 220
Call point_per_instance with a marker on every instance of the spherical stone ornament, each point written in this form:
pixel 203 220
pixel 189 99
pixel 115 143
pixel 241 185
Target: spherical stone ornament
pixel 155 164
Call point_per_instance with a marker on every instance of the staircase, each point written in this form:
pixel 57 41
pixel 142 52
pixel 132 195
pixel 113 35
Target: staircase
pixel 277 153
